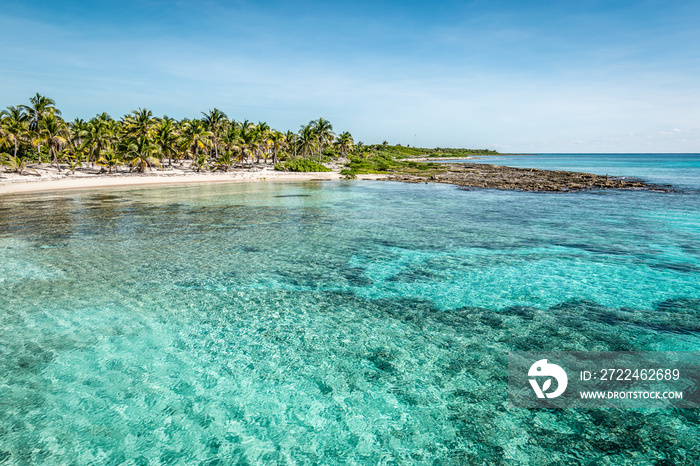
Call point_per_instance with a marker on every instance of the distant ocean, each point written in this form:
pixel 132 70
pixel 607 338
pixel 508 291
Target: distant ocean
pixel 340 322
pixel 680 170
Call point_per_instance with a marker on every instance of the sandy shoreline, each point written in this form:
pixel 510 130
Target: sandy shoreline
pixel 51 180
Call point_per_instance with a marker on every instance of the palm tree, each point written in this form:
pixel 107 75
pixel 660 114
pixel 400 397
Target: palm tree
pixel 40 107
pixel 245 125
pixel 78 130
pixel 139 123
pixel 324 134
pixel 200 162
pixel 277 142
pixel 232 140
pixel 290 140
pixel 307 140
pixel 195 136
pixel 109 159
pixel 54 134
pixel 73 163
pixel 18 163
pixel 13 127
pixel 262 140
pixel 225 161
pixel 248 138
pixel 244 152
pixel 166 138
pixel 140 154
pixel 215 121
pixel 99 134
pixel 344 142
pixel 139 137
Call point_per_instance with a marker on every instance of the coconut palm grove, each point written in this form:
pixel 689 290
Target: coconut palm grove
pixel 36 133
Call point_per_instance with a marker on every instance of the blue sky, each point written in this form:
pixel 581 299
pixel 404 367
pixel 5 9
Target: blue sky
pixel 544 76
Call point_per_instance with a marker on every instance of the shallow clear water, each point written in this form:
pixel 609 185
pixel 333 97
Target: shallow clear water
pixel 333 323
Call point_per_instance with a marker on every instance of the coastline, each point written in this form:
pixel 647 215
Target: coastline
pixel 11 183
pixel 466 175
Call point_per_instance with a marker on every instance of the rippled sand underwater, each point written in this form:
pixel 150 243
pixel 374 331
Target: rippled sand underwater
pixel 333 323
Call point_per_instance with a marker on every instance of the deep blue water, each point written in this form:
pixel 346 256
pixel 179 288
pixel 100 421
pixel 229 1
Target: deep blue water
pixel 339 322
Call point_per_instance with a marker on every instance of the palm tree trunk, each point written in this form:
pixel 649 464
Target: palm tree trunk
pixel 54 156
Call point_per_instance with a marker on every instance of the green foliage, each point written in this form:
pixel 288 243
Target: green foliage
pixel 301 165
pixel 380 163
pixel 17 164
pixel 385 163
pixel 399 151
pixel 457 153
pixel 348 174
pixel 73 164
pixel 383 158
pixel 37 133
pixel 110 159
pixel 200 163
pixel 225 161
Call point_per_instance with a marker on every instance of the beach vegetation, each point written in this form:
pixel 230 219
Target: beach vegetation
pixel 13 128
pixel 379 163
pixel 110 160
pixel 166 137
pixel 200 163
pixel 73 164
pixel 344 143
pixel 36 133
pixel 54 134
pixel 17 163
pixel 225 161
pixel 323 130
pixel 140 154
pixel 214 121
pixel 302 165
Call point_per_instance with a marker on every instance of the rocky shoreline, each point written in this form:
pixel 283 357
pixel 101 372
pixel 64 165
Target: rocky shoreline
pixel 476 175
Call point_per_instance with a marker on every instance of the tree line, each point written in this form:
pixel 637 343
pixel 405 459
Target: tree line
pixel 141 141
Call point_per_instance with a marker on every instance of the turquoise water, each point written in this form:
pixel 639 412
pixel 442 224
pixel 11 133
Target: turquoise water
pixel 680 170
pixel 335 323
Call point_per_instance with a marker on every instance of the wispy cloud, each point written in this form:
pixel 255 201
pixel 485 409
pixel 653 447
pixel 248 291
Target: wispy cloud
pixel 568 78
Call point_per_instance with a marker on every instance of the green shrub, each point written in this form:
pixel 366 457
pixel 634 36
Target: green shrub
pixel 301 165
pixel 378 163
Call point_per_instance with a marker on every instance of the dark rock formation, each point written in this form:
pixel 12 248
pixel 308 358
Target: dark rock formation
pixel 478 175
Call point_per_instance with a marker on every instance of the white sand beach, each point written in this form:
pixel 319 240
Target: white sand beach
pixel 44 178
